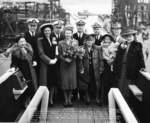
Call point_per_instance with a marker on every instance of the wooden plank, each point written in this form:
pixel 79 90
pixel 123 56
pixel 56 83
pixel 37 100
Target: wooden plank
pixel 101 115
pixel 78 114
pixel 85 115
pixel 62 115
pixel 136 92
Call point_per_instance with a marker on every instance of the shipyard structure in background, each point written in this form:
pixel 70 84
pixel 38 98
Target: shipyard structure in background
pixel 131 12
pixel 14 13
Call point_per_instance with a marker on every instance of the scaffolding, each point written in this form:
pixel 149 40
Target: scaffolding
pixel 13 14
pixel 131 12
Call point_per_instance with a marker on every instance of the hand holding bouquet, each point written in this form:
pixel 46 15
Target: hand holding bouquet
pixel 80 52
pixel 73 52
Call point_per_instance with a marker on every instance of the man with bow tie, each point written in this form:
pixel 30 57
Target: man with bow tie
pixel 80 35
pixel 97 33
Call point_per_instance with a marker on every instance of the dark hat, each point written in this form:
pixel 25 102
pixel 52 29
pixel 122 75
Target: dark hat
pixel 32 20
pixel 96 25
pixel 116 25
pixel 68 27
pixel 43 26
pixel 58 23
pixel 108 35
pixel 128 32
pixel 80 23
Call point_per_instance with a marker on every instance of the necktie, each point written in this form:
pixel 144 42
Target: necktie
pixel 32 34
pixel 80 35
pixel 97 37
pixel 58 36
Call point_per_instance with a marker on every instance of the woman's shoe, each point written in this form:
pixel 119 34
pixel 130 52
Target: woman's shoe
pixel 51 104
pixel 87 100
pixel 65 104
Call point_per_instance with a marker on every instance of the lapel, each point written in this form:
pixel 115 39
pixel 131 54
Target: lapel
pixel 49 43
pixel 87 53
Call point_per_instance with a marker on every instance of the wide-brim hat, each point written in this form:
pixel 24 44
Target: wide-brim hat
pixel 96 25
pixel 68 27
pixel 32 20
pixel 128 32
pixel 43 26
pixel 80 23
pixel 108 35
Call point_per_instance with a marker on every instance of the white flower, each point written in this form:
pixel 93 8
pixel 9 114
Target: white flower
pixel 123 46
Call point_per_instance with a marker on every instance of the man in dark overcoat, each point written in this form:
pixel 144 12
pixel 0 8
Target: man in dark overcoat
pixel 129 61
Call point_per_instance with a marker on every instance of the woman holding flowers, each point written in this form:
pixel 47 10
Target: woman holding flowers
pixel 109 49
pixel 67 53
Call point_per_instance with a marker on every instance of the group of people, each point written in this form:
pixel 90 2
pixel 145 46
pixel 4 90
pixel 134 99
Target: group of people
pixel 80 65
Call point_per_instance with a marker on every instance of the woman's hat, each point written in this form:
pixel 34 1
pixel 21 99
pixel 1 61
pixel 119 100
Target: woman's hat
pixel 108 35
pixel 128 32
pixel 68 27
pixel 43 26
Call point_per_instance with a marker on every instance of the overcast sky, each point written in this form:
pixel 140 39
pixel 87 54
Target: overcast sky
pixel 95 6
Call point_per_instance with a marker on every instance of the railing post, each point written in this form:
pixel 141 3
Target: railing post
pixel 44 106
pixel 112 107
pixel 41 94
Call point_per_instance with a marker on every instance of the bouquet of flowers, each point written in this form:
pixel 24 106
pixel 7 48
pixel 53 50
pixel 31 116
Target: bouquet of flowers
pixel 73 52
pixel 69 52
pixel 80 52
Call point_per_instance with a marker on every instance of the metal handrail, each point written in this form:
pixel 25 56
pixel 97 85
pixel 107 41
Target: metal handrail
pixel 116 96
pixel 7 74
pixel 41 94
pixel 145 74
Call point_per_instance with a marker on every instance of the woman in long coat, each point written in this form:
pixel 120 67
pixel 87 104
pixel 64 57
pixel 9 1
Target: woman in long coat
pixel 67 66
pixel 129 60
pixel 22 55
pixel 47 49
pixel 109 49
pixel 89 78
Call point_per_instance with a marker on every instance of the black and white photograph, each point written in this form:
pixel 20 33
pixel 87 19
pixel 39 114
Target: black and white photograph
pixel 74 61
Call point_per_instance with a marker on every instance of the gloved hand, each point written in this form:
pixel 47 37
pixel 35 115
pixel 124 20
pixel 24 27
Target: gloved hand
pixel 34 63
pixel 53 61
